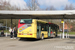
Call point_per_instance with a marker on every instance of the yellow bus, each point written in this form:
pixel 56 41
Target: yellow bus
pixel 33 28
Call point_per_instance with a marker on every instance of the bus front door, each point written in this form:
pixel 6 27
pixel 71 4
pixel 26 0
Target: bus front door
pixel 49 31
pixel 38 31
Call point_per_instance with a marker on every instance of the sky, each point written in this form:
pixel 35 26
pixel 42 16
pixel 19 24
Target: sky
pixel 58 4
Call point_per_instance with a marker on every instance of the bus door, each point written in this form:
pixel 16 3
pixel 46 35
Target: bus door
pixel 38 30
pixel 56 31
pixel 49 31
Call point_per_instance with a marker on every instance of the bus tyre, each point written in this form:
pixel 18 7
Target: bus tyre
pixel 21 39
pixel 42 37
pixel 56 35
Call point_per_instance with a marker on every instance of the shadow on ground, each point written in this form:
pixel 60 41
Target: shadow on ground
pixel 33 40
pixel 72 37
pixel 71 40
pixel 29 39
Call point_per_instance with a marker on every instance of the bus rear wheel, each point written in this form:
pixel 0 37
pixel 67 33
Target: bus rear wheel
pixel 22 39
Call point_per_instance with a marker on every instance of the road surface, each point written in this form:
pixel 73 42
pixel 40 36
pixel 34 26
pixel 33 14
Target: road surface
pixel 47 44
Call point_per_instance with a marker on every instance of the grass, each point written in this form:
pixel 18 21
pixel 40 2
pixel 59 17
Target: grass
pixel 71 33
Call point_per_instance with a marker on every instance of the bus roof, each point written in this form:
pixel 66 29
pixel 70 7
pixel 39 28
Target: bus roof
pixel 53 24
pixel 42 21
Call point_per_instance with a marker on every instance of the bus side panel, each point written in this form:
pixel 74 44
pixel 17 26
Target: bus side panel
pixel 45 34
pixel 34 28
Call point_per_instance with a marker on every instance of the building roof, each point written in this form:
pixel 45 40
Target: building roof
pixel 66 14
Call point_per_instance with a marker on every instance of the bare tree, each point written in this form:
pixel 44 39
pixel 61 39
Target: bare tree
pixel 50 8
pixel 33 4
pixel 6 6
pixel 69 7
pixel 66 7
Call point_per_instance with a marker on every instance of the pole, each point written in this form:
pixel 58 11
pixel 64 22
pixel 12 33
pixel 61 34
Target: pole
pixel 6 24
pixel 11 22
pixel 63 29
pixel 6 27
pixel 15 22
pixel 60 35
pixel 66 35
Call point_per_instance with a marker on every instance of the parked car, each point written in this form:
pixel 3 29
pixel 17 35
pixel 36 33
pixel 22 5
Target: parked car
pixel 3 28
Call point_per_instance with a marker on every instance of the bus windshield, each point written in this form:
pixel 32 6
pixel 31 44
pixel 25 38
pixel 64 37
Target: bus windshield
pixel 28 21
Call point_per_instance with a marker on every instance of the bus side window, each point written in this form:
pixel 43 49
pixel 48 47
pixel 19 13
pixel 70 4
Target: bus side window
pixel 42 27
pixel 37 28
pixel 38 24
pixel 46 28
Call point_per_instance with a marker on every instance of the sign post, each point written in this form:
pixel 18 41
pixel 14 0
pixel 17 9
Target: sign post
pixel 62 21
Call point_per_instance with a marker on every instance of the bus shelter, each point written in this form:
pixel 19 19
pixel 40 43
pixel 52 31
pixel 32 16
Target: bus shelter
pixel 63 14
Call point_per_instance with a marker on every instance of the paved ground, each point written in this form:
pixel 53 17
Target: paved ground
pixel 47 44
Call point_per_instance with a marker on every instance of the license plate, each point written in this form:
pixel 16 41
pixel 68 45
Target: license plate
pixel 24 34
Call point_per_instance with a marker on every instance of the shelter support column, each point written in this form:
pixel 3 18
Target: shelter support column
pixel 6 28
pixel 63 29
pixel 6 24
pixel 11 22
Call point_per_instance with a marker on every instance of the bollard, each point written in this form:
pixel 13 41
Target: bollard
pixel 60 35
pixel 66 35
pixel 6 34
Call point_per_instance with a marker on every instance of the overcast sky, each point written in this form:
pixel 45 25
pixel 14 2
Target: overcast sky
pixel 58 4
pixel 19 3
